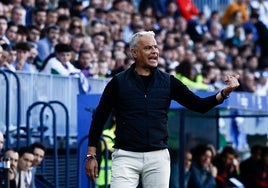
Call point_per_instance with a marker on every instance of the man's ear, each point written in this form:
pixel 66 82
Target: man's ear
pixel 133 52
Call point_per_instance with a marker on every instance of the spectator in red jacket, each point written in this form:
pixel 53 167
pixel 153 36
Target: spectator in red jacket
pixel 188 9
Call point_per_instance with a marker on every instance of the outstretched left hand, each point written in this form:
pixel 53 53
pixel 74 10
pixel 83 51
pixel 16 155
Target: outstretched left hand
pixel 231 84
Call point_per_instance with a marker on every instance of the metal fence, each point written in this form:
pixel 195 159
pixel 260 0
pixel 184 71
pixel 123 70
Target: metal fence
pixel 38 87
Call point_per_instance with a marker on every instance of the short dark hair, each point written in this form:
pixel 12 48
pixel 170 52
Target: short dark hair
pixel 2 17
pixel 24 150
pixel 59 48
pixel 23 46
pixel 38 145
pixel 84 51
pixel 32 27
pixel 52 27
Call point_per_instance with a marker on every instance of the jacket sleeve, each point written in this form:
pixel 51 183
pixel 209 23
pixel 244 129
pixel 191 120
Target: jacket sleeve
pixel 102 113
pixel 184 96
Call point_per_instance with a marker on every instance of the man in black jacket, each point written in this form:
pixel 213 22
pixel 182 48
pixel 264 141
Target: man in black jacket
pixel 140 98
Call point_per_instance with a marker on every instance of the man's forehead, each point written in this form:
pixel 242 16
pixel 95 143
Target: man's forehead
pixel 28 155
pixel 12 154
pixel 147 40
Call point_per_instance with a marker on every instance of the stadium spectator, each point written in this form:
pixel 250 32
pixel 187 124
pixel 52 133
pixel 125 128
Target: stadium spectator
pixel 11 33
pixel 248 82
pixel 39 18
pixel 33 59
pixel 4 55
pixel 172 9
pixel 25 162
pixel 60 64
pixel 39 151
pixel 18 15
pixel 63 8
pixel 64 22
pixel 52 17
pixel 84 62
pixel 227 166
pixel 175 174
pixel 64 37
pixel 45 46
pixel 237 5
pixel 236 20
pixel 247 165
pixel 262 32
pixel 76 43
pixel 260 7
pixel 3 29
pixel 181 25
pixel 33 34
pixel 259 174
pixel 22 34
pixel 13 157
pixel 22 51
pixel 185 72
pixel 29 6
pixel 198 28
pixel 119 63
pixel 76 26
pixel 188 9
pixel 202 171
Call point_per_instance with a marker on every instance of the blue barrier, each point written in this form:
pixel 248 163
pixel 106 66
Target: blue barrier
pixel 18 104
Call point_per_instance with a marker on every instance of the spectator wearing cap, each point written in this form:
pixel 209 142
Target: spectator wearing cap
pixel 23 50
pixel 45 46
pixel 60 64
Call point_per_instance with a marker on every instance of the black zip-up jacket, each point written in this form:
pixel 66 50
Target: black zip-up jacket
pixel 141 111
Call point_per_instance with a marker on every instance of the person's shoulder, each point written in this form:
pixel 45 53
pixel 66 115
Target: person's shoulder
pixel 122 73
pixel 53 60
pixel 43 41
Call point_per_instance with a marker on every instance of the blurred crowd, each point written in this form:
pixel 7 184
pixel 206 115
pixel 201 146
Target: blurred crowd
pixel 90 38
pixel 19 167
pixel 206 168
